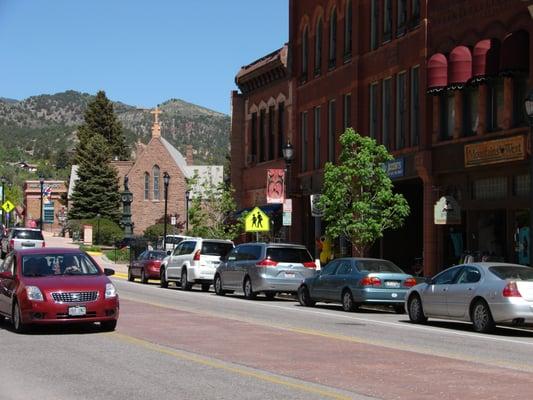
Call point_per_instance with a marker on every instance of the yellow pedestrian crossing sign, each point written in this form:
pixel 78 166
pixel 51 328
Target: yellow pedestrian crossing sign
pixel 257 221
pixel 8 206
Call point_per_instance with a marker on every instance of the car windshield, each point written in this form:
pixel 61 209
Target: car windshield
pixel 27 234
pixel 58 264
pixel 511 272
pixel 216 248
pixel 378 266
pixel 288 254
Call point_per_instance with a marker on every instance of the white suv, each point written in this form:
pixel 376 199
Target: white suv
pixel 194 261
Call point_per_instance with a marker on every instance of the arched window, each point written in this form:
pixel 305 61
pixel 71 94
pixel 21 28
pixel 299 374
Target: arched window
pixel 155 173
pixel 318 46
pixel 348 30
pixel 146 186
pixel 305 52
pixel 332 39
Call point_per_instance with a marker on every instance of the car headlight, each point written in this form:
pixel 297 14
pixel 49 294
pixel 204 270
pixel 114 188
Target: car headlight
pixel 34 293
pixel 110 291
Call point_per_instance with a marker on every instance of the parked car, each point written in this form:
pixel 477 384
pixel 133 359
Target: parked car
pixel 485 293
pixel 20 238
pixel 356 281
pixel 172 242
pixel 194 261
pixel 56 286
pixel 146 266
pixel 266 268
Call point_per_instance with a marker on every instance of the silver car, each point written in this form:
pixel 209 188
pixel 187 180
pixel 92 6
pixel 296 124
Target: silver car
pixel 486 293
pixel 264 268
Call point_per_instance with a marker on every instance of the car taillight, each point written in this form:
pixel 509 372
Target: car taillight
pixel 266 263
pixel 310 264
pixel 44 245
pixel 511 290
pixel 196 256
pixel 370 281
pixel 409 282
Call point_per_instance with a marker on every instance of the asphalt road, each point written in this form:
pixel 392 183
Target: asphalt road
pixel 195 345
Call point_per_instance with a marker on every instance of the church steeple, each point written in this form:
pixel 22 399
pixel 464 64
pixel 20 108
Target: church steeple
pixel 156 127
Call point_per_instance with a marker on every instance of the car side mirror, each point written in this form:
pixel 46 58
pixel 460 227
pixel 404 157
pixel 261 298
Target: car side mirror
pixel 6 275
pixel 109 271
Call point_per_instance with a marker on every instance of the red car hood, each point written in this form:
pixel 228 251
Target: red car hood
pixel 68 283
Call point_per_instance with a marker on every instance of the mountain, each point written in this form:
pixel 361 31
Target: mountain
pixel 37 127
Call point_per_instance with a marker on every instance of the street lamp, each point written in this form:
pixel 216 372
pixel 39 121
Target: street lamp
pixel 3 199
pixel 166 180
pixel 288 155
pixel 528 103
pixel 98 228
pixel 41 183
pixel 187 194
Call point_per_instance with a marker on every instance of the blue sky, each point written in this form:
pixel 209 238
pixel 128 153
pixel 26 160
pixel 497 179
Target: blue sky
pixel 140 52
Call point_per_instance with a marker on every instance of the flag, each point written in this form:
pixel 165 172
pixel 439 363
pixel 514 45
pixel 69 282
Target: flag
pixel 47 194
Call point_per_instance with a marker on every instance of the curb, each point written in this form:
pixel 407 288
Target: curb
pixel 95 253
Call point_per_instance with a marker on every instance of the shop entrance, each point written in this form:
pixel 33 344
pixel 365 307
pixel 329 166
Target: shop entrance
pixel 487 234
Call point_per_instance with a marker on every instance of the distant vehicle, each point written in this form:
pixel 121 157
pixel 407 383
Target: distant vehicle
pixel 146 266
pixel 266 268
pixel 21 238
pixel 356 281
pixel 172 242
pixel 56 286
pixel 194 261
pixel 485 293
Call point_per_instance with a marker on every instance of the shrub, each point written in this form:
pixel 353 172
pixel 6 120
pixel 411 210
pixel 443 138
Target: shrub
pixel 154 232
pixel 105 231
pixel 118 255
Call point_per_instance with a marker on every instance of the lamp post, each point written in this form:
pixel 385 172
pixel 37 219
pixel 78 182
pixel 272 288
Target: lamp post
pixel 187 194
pixel 528 103
pixel 288 155
pixel 98 228
pixel 166 180
pixel 3 199
pixel 41 183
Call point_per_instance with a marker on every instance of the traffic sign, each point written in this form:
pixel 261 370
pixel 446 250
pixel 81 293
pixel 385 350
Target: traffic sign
pixel 257 221
pixel 287 218
pixel 8 206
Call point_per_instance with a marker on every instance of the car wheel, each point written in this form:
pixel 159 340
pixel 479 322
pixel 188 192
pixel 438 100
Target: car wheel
pixel 205 287
pixel 162 280
pixel 304 297
pixel 143 277
pixel 247 289
pixel 399 309
pixel 108 326
pixel 270 295
pixel 130 275
pixel 416 312
pixel 16 319
pixel 218 286
pixel 347 301
pixel 184 284
pixel 482 317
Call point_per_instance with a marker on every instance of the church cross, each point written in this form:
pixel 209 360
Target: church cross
pixel 156 113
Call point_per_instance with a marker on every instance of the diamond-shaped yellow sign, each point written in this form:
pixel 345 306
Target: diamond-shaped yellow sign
pixel 8 206
pixel 257 221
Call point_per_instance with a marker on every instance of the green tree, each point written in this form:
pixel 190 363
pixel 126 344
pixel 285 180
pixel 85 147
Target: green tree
pixel 62 160
pixel 96 190
pixel 358 199
pixel 101 119
pixel 212 209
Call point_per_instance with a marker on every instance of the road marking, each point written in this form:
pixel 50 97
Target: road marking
pixel 246 372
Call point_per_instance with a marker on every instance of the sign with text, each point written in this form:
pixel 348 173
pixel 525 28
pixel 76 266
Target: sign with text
pixel 447 211
pixel 316 209
pixel 287 205
pixel 287 218
pixel 495 151
pixel 275 189
pixel 395 168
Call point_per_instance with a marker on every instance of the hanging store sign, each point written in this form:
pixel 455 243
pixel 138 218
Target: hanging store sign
pixel 316 209
pixel 495 151
pixel 395 168
pixel 447 211
pixel 275 188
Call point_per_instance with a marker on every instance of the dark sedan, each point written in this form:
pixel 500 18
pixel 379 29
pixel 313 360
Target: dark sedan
pixel 146 266
pixel 356 281
pixel 56 285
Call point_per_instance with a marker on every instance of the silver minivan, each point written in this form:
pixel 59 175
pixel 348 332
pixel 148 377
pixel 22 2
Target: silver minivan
pixel 264 268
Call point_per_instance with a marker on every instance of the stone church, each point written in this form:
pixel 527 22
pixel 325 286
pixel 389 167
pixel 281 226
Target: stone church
pixel 145 175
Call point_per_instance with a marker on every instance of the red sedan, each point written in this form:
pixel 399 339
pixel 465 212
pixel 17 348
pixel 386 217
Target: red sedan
pixel 56 285
pixel 146 266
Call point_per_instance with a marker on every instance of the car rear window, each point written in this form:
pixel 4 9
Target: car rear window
pixel 288 254
pixel 157 255
pixel 28 235
pixel 511 272
pixel 216 248
pixel 377 266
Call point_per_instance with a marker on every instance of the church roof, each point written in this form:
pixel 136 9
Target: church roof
pixel 177 157
pixel 73 179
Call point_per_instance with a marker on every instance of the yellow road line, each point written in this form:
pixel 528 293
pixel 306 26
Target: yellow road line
pixel 230 368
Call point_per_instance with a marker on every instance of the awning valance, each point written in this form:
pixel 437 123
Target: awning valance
pixel 437 72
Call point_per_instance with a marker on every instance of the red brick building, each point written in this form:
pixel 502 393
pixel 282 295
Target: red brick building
pixel 52 203
pixel 435 82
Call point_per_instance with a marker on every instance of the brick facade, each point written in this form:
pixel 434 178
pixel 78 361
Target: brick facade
pixel 32 203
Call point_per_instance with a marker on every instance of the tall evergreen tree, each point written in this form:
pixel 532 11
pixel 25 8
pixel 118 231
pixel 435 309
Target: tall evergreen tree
pixel 100 118
pixel 96 190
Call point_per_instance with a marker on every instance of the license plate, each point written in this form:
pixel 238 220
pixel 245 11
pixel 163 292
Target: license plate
pixel 28 244
pixel 392 284
pixel 77 311
pixel 290 274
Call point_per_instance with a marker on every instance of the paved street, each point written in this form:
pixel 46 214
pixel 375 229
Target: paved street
pixel 175 344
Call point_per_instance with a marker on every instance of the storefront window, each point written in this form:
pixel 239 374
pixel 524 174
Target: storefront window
pixel 470 111
pixel 521 186
pixel 447 115
pixel 490 188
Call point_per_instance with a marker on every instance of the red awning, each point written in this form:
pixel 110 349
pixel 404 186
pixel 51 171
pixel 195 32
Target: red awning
pixel 485 58
pixel 515 52
pixel 437 71
pixel 460 68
